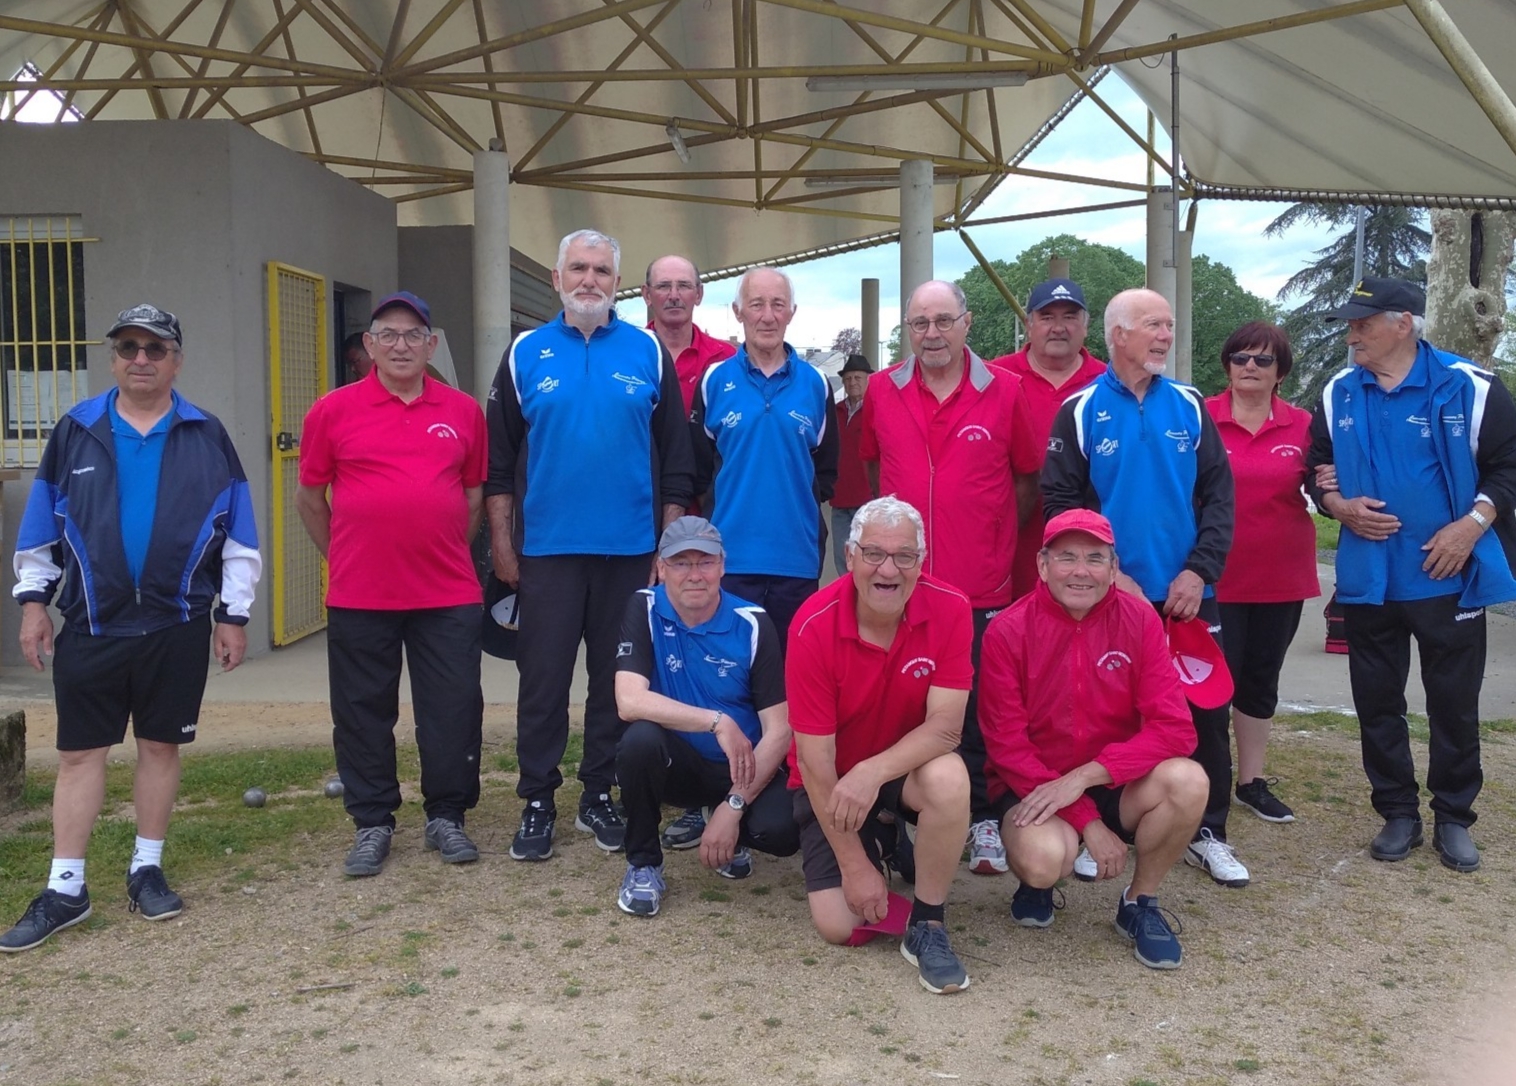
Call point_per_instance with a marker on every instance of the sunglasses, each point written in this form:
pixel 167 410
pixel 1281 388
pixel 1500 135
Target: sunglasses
pixel 1242 358
pixel 126 350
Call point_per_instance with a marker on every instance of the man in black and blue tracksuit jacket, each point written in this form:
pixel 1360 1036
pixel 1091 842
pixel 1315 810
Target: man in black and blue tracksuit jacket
pixel 1423 444
pixel 1143 450
pixel 762 425
pixel 141 512
pixel 589 460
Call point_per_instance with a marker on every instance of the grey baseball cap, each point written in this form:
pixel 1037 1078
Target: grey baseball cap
pixel 160 322
pixel 690 534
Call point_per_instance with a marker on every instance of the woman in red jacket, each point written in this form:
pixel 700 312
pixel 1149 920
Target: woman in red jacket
pixel 1271 569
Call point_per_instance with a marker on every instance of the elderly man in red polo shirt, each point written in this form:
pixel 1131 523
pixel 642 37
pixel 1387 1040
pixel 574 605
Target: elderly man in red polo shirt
pixel 877 675
pixel 1087 731
pixel 405 457
pixel 952 436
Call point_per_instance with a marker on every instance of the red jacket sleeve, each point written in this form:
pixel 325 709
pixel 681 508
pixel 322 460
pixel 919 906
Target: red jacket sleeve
pixel 868 441
pixel 1167 729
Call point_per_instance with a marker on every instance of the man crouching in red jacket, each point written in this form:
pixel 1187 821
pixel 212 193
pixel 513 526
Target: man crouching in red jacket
pixel 1087 734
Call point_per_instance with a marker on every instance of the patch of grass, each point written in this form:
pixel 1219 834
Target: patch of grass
pixel 450 971
pixel 237 1009
pixel 120 1034
pixel 348 1049
pixel 706 1016
pixel 1327 531
pixel 773 1023
pixel 572 991
pixel 413 989
pixel 1248 1065
pixel 563 910
pixel 807 960
pixel 185 1036
pixel 715 895
pixel 572 944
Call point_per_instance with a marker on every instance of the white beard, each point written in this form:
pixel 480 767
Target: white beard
pixel 597 310
pixel 1156 369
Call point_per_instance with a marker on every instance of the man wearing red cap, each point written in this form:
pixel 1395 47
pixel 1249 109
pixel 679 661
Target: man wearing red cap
pixel 1086 730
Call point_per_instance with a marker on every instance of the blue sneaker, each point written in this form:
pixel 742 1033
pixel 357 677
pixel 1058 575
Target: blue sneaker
pixel 1144 923
pixel 926 947
pixel 686 830
pixel 641 891
pixel 740 866
pixel 1033 908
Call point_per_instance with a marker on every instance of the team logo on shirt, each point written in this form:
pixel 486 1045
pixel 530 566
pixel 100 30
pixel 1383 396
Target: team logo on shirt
pixel 623 649
pixel 1102 416
pixel 731 419
pixel 721 666
pixel 668 630
pixel 547 352
pixel 1107 447
pixel 730 386
pixel 975 432
pixel 547 384
pixel 1425 424
pixel 632 383
pixel 1345 423
pixel 1454 424
pixel 1055 444
pixel 1464 616
pixel 673 663
pixel 805 422
pixel 83 470
pixel 919 667
pixel 442 429
pixel 1181 439
pixel 1287 450
pixel 1113 661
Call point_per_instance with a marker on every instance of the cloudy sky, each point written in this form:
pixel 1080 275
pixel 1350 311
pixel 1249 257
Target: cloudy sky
pixel 1231 232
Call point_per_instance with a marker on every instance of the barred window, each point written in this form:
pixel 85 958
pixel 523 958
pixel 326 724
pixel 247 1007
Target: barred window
pixel 42 337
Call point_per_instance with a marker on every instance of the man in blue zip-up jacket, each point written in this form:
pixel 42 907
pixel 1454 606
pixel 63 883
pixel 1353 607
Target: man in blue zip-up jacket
pixel 589 460
pixel 1143 450
pixel 141 510
pixel 1424 447
pixel 762 424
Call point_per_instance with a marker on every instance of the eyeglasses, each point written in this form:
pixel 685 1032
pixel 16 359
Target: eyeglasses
pixel 1068 559
pixel 875 556
pixel 126 350
pixel 414 337
pixel 1242 358
pixel 682 286
pixel 942 324
pixel 683 566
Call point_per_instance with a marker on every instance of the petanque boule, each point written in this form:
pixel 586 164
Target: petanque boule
pixel 255 797
pixel 333 788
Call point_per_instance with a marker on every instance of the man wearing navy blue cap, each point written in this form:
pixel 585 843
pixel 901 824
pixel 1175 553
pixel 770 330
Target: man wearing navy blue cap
pixel 1423 443
pixel 405 457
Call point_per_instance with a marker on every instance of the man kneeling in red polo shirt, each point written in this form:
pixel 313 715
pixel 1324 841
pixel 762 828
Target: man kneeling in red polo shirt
pixel 1087 731
pixel 877 674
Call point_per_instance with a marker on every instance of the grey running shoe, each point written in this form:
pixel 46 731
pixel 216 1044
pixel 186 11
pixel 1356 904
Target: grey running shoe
pixel 447 837
pixel 370 847
pixel 926 947
pixel 49 911
pixel 149 894
pixel 686 830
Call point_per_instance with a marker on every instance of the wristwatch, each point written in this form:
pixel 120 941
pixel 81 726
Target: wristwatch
pixel 736 803
pixel 1479 518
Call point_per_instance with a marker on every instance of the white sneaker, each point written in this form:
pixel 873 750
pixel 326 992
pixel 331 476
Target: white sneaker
pixel 1217 859
pixel 986 851
pixel 1085 868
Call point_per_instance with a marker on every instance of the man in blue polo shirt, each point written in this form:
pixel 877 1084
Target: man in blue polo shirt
pixel 589 460
pixel 1424 446
pixel 700 681
pixel 764 436
pixel 140 579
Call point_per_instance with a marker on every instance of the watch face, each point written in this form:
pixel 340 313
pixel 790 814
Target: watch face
pixel 736 803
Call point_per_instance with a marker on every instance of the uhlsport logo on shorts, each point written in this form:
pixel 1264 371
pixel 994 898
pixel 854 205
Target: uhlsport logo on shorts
pixel 919 667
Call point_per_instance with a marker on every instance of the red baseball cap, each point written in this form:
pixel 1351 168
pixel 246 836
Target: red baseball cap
pixel 1079 520
pixel 1200 663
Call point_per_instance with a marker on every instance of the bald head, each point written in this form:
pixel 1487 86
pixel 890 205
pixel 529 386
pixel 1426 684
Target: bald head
pixel 937 321
pixel 1139 332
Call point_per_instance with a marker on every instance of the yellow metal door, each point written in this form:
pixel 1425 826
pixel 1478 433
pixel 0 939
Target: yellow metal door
pixel 297 377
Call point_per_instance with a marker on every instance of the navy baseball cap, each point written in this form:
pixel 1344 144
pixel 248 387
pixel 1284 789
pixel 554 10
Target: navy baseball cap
pixel 1373 295
pixel 407 299
pixel 1055 290
pixel 160 322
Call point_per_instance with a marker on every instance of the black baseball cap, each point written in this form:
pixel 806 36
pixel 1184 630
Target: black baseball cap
pixel 1373 295
pixel 1056 290
pixel 160 322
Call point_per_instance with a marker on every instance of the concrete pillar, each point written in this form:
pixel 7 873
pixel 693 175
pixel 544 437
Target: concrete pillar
pixel 1161 262
pixel 1184 329
pixel 915 227
pixel 492 266
pixel 1058 267
pixel 869 326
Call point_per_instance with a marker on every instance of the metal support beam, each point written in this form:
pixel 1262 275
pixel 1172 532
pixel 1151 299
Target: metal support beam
pixel 1466 64
pixel 492 266
pixel 915 227
pixel 989 270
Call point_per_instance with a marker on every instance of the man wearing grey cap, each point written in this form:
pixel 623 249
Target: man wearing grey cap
pixel 700 683
pixel 1423 444
pixel 140 583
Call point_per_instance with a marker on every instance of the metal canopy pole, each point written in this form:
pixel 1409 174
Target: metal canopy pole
pixel 1460 55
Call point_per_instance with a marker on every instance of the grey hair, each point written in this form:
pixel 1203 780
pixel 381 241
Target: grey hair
pixel 887 512
pixel 594 239
pixel 958 295
pixel 647 276
pixel 789 284
pixel 1418 324
pixel 1117 310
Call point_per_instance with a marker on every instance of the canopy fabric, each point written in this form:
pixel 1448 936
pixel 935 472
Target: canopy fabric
pixel 590 98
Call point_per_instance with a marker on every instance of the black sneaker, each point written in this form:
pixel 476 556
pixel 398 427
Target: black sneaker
pixel 149 894
pixel 1032 907
pixel 897 849
pixel 370 846
pixel 1256 797
pixel 534 840
pixel 598 815
pixel 686 830
pixel 447 837
pixel 49 911
pixel 926 947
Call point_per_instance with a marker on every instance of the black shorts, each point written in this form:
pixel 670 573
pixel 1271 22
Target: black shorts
pixel 1107 799
pixel 817 860
pixel 157 680
pixel 1256 637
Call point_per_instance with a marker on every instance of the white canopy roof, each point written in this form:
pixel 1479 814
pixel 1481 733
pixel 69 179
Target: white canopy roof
pixel 589 98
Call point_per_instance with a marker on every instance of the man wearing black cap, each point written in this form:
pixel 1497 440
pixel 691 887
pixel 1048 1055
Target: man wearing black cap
pixel 1423 444
pixel 853 489
pixel 700 683
pixel 405 457
pixel 139 577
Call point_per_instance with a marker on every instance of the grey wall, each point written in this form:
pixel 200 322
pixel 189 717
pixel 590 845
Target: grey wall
pixel 188 213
